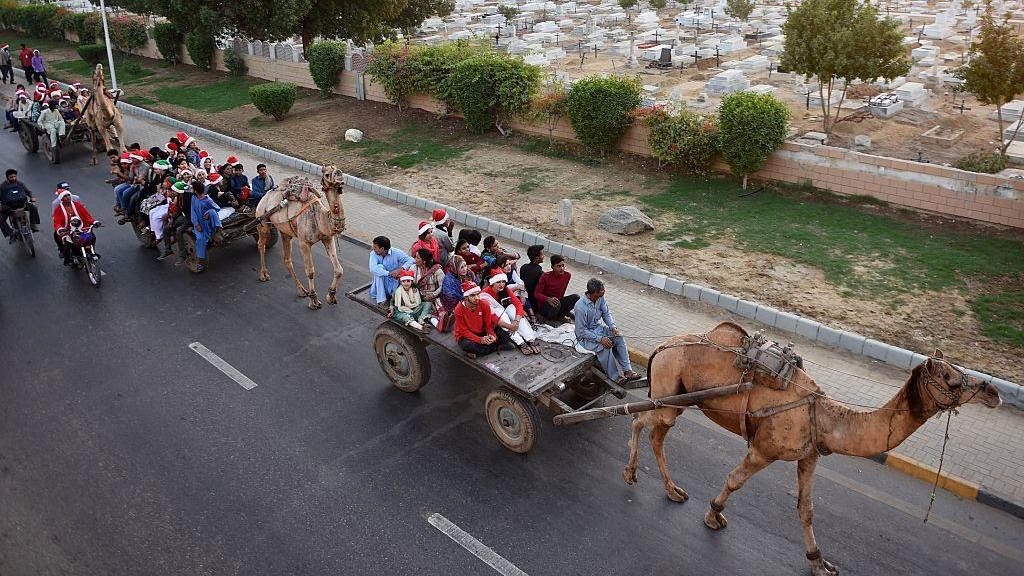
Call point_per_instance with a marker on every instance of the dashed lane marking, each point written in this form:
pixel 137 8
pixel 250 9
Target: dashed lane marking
pixel 475 547
pixel 222 365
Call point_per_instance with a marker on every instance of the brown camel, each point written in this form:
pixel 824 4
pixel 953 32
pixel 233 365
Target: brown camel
pixel 796 423
pixel 101 114
pixel 299 211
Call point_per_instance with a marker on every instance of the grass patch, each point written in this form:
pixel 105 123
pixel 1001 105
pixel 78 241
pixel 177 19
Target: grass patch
pixel 869 254
pixel 408 147
pixel 127 71
pixel 1001 316
pixel 601 194
pixel 553 150
pixel 529 179
pixel 216 97
pixel 15 39
pixel 139 100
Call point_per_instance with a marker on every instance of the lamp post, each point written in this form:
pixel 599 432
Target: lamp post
pixel 106 40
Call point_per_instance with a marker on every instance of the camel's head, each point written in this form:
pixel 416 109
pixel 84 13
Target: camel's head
pixel 97 76
pixel 949 386
pixel 333 184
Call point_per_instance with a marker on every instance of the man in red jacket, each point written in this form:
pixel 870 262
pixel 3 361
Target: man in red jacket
pixel 475 329
pixel 66 210
pixel 26 63
pixel 550 292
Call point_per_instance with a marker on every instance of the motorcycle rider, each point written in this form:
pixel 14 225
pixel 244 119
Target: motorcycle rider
pixel 13 194
pixel 66 211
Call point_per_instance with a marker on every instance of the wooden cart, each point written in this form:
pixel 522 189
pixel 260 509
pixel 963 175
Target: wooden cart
pixel 32 134
pixel 562 380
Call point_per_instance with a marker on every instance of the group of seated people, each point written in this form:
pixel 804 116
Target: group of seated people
pixel 179 187
pixel 49 106
pixel 486 298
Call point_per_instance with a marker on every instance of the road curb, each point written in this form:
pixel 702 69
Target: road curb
pixel 1011 393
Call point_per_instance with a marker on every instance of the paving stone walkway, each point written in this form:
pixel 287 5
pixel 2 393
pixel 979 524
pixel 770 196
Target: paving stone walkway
pixel 986 446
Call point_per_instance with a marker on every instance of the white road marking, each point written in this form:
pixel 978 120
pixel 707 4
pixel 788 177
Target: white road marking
pixel 475 547
pixel 219 363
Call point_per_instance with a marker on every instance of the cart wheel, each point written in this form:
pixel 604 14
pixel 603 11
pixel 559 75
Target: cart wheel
pixel 402 356
pixel 52 152
pixel 188 242
pixel 512 419
pixel 28 137
pixel 147 238
pixel 271 238
pixel 586 388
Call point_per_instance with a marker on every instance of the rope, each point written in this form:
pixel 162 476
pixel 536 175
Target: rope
pixel 938 473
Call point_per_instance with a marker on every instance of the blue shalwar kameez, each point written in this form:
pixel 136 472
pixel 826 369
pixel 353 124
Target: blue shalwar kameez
pixel 589 332
pixel 201 207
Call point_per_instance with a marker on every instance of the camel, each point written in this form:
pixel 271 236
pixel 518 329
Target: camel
pixel 798 423
pixel 308 217
pixel 101 114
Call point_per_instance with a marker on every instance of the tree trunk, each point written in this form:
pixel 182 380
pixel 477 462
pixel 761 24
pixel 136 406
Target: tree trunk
pixel 744 181
pixel 307 36
pixel 839 106
pixel 1002 137
pixel 825 115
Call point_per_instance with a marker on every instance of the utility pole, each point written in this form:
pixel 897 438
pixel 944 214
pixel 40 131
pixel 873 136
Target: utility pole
pixel 106 39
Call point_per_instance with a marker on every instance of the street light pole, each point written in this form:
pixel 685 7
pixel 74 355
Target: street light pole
pixel 106 40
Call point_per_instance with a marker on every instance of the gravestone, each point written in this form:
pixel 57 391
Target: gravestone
pixel 564 217
pixel 284 52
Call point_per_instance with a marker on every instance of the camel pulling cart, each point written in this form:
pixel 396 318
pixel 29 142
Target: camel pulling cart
pixel 32 135
pixel 560 379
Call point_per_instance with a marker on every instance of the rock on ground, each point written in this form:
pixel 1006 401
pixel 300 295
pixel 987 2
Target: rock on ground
pixel 353 135
pixel 626 220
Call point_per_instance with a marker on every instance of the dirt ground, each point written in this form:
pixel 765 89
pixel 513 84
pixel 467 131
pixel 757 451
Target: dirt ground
pixel 497 178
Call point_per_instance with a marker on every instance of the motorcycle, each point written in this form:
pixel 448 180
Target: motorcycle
pixel 81 250
pixel 21 229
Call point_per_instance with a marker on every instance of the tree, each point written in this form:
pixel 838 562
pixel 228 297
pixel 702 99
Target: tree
pixel 658 4
pixel 750 127
pixel 508 11
pixel 841 41
pixel 739 9
pixel 995 72
pixel 626 5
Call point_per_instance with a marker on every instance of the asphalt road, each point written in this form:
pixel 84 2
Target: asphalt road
pixel 124 452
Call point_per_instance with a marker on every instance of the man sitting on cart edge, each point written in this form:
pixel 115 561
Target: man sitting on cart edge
pixel 386 265
pixel 14 194
pixel 605 341
pixel 476 329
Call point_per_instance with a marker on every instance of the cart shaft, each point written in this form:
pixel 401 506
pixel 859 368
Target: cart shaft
pixel 680 400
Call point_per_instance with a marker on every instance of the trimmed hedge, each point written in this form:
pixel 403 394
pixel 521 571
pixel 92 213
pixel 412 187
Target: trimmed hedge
pixel 326 61
pixel 600 110
pixel 127 33
pixel 200 45
pixel 751 127
pixel 92 53
pixel 168 41
pixel 490 87
pixel 273 98
pixel 686 139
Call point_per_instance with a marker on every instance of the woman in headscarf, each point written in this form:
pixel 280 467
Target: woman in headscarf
pixel 39 68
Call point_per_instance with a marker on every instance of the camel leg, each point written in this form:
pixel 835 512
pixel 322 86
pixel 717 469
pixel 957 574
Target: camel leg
pixel 752 464
pixel 286 250
pixel 332 253
pixel 639 423
pixel 264 234
pixel 805 506
pixel 307 260
pixel 658 432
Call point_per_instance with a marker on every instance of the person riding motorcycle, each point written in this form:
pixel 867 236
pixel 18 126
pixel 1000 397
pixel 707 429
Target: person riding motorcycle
pixel 71 216
pixel 14 194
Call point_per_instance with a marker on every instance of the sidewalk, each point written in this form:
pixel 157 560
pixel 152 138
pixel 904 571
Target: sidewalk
pixel 986 446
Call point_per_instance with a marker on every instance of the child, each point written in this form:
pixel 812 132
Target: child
pixel 407 307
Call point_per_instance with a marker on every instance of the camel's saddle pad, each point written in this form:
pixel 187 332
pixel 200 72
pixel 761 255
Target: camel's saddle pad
pixel 768 357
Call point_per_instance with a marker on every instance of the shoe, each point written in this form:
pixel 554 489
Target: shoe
pixel 470 355
pixel 122 220
pixel 433 322
pixel 12 239
pixel 164 256
pixel 416 325
pixel 630 375
pixel 35 228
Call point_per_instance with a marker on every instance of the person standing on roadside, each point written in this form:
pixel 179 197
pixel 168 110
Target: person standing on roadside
pixel 6 69
pixel 39 68
pixel 26 63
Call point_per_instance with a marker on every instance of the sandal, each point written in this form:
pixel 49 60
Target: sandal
pixel 526 350
pixel 536 348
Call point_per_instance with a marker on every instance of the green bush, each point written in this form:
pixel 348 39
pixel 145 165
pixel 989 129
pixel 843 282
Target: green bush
pixel 430 66
pixel 235 63
pixel 127 33
pixel 751 127
pixel 387 66
pixel 326 61
pixel 200 46
pixel 39 20
pixel 600 110
pixel 984 162
pixel 92 53
pixel 168 41
pixel 273 98
pixel 89 28
pixel 686 139
pixel 490 87
pixel 548 110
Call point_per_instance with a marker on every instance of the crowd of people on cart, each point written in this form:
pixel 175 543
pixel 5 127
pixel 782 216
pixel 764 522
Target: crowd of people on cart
pixel 49 107
pixel 486 298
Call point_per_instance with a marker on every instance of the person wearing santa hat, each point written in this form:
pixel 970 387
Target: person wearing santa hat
pixel 426 239
pixel 39 67
pixel 136 179
pixel 407 307
pixel 51 121
pixel 118 167
pixel 62 215
pixel 15 104
pixel 150 181
pixel 217 188
pixel 445 244
pixel 206 224
pixel 476 331
pixel 205 162
pixel 6 67
pixel 386 264
pixel 61 187
pixel 38 103
pixel 238 184
pixel 179 203
pixel 509 313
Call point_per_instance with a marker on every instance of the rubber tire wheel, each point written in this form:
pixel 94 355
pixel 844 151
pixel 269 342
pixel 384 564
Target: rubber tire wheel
pixel 52 152
pixel 587 389
pixel 148 239
pixel 92 270
pixel 520 428
pixel 28 137
pixel 30 244
pixel 188 244
pixel 271 238
pixel 402 356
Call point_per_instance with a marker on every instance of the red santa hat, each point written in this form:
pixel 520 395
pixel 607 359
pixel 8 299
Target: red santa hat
pixel 126 158
pixel 74 209
pixel 203 155
pixel 56 94
pixel 77 86
pixel 38 96
pixel 172 147
pixel 406 274
pixel 137 155
pixel 146 155
pixel 244 194
pixel 184 138
pixel 3 46
pixel 232 161
pixel 439 216
pixel 215 178
pixel 54 85
pixel 469 288
pixel 424 227
pixel 497 276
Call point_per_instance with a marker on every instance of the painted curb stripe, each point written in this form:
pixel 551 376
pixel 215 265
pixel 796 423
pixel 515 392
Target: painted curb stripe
pixel 911 467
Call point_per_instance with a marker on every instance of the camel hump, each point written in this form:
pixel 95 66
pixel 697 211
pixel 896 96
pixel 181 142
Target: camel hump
pixel 727 334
